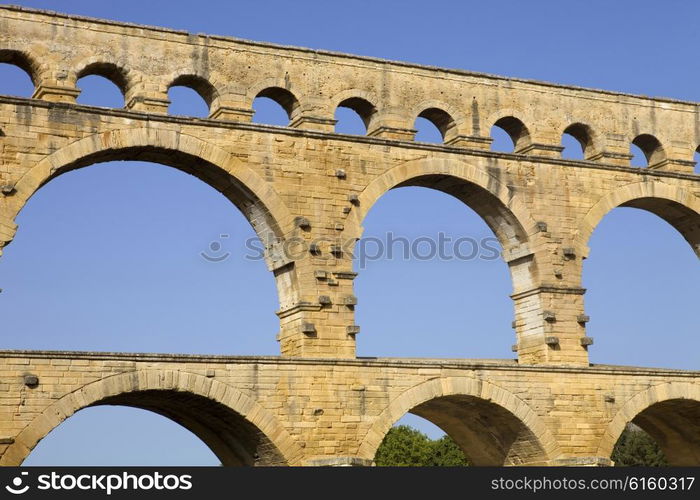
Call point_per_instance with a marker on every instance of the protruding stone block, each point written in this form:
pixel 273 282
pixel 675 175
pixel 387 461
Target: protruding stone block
pixel 31 380
pixel 308 329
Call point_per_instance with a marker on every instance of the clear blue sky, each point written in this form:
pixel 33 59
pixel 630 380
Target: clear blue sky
pixel 120 269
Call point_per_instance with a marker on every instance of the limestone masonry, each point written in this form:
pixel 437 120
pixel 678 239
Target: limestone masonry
pixel 317 403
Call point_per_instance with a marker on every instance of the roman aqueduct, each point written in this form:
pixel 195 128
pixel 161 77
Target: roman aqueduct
pixel 317 403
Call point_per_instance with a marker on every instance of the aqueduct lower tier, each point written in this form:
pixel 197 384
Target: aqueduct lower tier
pixel 276 411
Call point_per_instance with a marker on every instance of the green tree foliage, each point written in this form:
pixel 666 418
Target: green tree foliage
pixel 404 446
pixel 446 453
pixel 636 447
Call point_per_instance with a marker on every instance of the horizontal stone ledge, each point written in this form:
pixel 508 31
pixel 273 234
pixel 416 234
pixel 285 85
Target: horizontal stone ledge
pixel 298 307
pixel 345 275
pixel 369 362
pixel 339 462
pixel 565 290
pixel 582 462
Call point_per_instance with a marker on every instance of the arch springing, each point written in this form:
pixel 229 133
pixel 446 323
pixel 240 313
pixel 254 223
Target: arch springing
pixel 442 120
pixel 584 136
pixel 22 61
pixel 110 71
pixel 201 86
pixel 651 148
pixel 19 73
pixel 364 109
pixel 516 130
pixel 283 97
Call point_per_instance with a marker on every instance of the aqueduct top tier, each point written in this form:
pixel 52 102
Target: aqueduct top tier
pixel 304 182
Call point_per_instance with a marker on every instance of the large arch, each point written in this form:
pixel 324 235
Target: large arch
pixel 491 199
pixel 236 428
pixel 675 205
pixel 670 413
pixel 258 201
pixel 491 425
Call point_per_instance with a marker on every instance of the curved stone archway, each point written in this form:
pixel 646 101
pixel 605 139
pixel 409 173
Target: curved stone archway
pixel 236 428
pixel 670 413
pixel 675 205
pixel 256 199
pixel 500 208
pixel 206 161
pixel 492 426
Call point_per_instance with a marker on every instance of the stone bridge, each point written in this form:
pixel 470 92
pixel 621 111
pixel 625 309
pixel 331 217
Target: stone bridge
pixel 306 188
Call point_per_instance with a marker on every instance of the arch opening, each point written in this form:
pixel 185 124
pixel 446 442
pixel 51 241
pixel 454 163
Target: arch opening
pixel 275 106
pixel 636 448
pixel 652 151
pixel 416 442
pixel 151 254
pixel 191 95
pixel 491 430
pixel 97 90
pixel 674 425
pixel 510 129
pixel 696 159
pixel 110 71
pixel 433 125
pixel 444 246
pixel 577 142
pixel 638 259
pixel 354 116
pixel 436 245
pixel 232 436
pixel 17 74
pixel 136 437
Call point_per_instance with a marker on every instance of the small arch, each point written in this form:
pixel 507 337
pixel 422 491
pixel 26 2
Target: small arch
pixel 115 74
pixel 283 97
pixel 362 107
pixel 442 121
pixel 583 135
pixel 19 73
pixel 233 425
pixel 669 413
pixel 197 85
pixel 651 148
pixel 22 60
pixel 696 159
pixel 491 425
pixel 99 91
pixel 516 131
